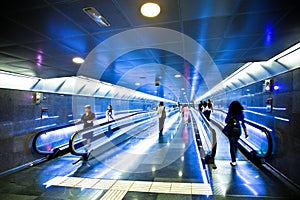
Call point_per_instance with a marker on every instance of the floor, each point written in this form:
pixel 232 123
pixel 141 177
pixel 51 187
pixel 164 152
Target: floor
pixel 145 167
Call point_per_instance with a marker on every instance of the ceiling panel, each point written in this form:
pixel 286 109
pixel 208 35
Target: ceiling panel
pixel 206 28
pixel 42 36
pixel 53 48
pixel 82 44
pixel 197 9
pixel 74 11
pixel 47 21
pixel 18 33
pixel 253 24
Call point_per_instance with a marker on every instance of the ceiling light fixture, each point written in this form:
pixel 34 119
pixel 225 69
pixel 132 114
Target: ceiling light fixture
pixel 182 89
pixel 96 16
pixel 137 84
pixel 177 76
pixel 150 9
pixel 78 60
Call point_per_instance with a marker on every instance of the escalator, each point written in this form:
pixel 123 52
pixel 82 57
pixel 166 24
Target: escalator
pixel 258 147
pixel 55 141
pixel 67 138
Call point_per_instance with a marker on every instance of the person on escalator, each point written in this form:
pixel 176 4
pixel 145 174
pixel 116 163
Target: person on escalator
pixel 110 116
pixel 186 114
pixel 161 112
pixel 206 110
pixel 88 119
pixel 234 120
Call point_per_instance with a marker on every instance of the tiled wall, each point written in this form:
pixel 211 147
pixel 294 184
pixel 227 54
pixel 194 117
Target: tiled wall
pixel 284 120
pixel 20 119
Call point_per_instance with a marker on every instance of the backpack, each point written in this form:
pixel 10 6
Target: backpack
pixel 230 126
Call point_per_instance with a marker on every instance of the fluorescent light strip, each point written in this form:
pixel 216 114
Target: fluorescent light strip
pixel 241 72
pixel 289 50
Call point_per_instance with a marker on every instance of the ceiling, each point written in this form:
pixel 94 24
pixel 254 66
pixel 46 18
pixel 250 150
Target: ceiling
pixel 40 38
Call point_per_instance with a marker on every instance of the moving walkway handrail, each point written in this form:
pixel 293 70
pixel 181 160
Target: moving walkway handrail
pixel 38 134
pixel 72 139
pixel 72 142
pixel 260 127
pixel 212 131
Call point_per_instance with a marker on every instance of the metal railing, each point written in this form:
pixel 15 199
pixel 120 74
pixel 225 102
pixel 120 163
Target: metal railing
pixel 260 139
pixel 56 139
pixel 121 130
pixel 208 137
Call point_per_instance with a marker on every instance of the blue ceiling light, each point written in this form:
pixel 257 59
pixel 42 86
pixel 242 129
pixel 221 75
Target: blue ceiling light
pixel 268 34
pixel 276 87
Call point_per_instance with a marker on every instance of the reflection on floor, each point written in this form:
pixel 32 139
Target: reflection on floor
pixel 244 180
pixel 146 167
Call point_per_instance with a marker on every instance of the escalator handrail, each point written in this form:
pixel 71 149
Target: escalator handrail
pixel 211 129
pixel 38 134
pixel 262 128
pixel 72 139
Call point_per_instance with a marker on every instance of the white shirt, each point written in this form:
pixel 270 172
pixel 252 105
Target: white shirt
pixel 160 111
pixel 110 117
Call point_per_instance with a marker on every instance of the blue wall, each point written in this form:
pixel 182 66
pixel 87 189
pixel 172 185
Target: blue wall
pixel 284 120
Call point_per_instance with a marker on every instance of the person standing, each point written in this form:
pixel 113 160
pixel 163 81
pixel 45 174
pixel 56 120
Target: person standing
pixel 210 108
pixel 110 116
pixel 186 114
pixel 88 119
pixel 206 111
pixel 200 106
pixel 234 121
pixel 161 112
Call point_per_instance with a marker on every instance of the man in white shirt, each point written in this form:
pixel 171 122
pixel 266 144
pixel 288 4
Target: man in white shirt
pixel 161 112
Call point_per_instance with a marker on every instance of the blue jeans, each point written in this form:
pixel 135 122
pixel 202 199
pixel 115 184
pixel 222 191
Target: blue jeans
pixel 234 137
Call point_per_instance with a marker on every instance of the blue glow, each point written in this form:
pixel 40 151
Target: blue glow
pixel 274 108
pixel 49 117
pixel 280 109
pixel 46 126
pixel 268 34
pixel 247 183
pixel 282 119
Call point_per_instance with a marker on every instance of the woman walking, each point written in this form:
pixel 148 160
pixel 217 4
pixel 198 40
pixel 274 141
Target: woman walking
pixel 234 121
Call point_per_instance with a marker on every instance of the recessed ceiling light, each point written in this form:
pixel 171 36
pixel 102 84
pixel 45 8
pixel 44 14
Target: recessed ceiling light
pixel 137 84
pixel 78 60
pixel 150 9
pixel 155 91
pixel 96 16
pixel 182 89
pixel 177 76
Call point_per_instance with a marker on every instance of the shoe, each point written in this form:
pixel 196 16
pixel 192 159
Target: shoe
pixel 233 164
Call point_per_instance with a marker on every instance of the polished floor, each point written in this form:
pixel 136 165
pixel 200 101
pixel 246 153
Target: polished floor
pixel 145 167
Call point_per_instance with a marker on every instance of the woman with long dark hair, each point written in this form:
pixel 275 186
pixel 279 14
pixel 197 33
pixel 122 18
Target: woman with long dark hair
pixel 234 121
pixel 110 116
